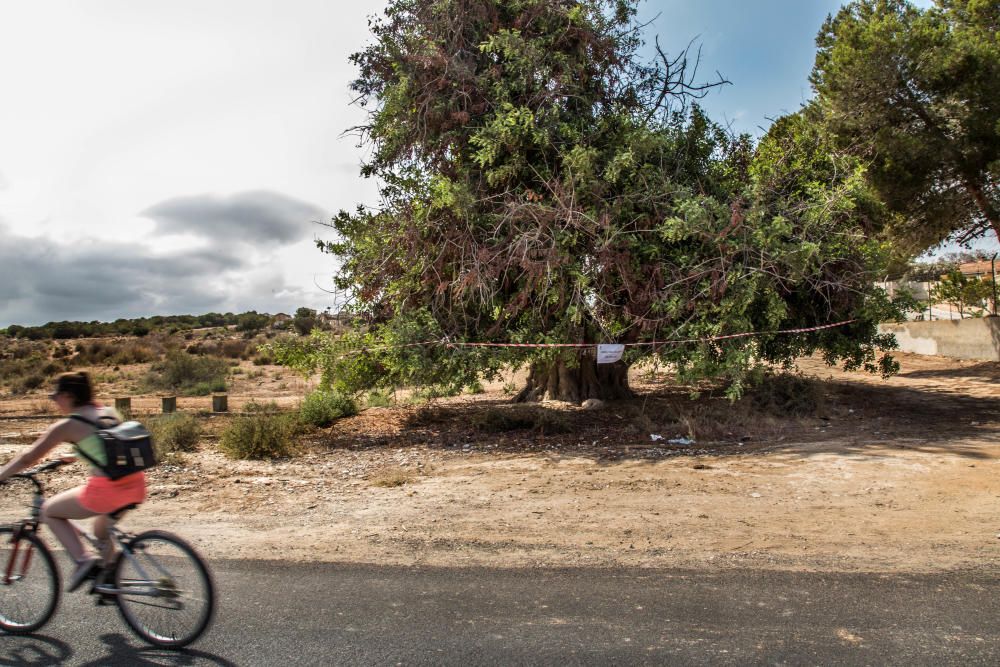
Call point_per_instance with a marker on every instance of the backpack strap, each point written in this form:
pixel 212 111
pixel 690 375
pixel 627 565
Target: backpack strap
pixel 85 420
pixel 79 451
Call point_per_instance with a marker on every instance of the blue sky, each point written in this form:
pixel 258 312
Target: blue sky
pixel 174 157
pixel 764 47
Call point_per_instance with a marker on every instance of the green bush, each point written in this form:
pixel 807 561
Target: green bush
pixel 263 433
pixel 174 433
pixel 263 358
pixel 188 374
pixel 322 408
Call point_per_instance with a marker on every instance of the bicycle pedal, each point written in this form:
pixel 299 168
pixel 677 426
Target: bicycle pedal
pixel 104 600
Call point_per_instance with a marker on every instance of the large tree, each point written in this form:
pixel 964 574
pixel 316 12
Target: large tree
pixel 540 182
pixel 917 93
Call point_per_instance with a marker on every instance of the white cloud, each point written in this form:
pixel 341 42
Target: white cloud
pixel 113 108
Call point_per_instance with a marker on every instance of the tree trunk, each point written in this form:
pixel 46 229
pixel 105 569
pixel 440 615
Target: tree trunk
pixel 557 381
pixel 985 206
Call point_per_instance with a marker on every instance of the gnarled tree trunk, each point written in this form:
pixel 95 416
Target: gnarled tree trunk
pixel 557 380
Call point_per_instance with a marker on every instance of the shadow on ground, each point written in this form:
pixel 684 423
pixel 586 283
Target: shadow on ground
pixel 852 417
pixel 988 370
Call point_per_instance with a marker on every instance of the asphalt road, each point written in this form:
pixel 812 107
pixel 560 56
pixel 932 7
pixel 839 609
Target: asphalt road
pixel 273 614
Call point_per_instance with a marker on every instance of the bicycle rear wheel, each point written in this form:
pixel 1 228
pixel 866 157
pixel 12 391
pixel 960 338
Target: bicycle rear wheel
pixel 165 592
pixel 29 582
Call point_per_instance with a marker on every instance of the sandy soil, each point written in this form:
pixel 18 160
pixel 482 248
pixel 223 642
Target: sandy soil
pixel 893 476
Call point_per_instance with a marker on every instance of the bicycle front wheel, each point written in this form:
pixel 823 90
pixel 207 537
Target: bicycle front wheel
pixel 29 582
pixel 165 592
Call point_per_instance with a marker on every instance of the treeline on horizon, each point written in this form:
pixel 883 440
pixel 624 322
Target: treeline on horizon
pixel 142 326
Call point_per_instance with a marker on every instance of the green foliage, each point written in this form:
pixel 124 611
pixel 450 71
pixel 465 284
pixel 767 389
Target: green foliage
pixel 913 92
pixel 122 326
pixel 173 433
pixel 321 408
pixel 391 356
pixel 252 322
pixel 304 320
pixel 541 183
pixel 963 292
pixel 188 374
pixel 263 433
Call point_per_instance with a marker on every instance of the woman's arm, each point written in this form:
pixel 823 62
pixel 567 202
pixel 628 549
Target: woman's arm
pixel 45 443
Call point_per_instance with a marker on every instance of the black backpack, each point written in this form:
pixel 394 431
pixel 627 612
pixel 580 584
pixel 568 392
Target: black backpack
pixel 128 447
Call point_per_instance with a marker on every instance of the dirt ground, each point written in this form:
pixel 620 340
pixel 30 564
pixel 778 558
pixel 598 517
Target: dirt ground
pixel 890 476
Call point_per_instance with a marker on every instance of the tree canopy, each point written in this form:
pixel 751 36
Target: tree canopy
pixel 540 182
pixel 914 93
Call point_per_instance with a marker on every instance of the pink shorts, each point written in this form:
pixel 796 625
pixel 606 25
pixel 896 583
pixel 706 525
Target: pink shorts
pixel 103 495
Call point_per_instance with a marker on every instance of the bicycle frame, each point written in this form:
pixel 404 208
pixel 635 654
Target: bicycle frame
pixel 29 525
pixel 9 575
pixel 144 586
pixel 139 577
pixel 118 537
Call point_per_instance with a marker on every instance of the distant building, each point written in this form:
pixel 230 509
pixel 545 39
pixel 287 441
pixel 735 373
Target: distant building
pixel 980 269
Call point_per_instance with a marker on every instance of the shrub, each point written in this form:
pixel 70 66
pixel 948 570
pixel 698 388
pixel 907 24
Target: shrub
pixel 174 433
pixel 118 352
pixel 206 388
pixel 28 383
pixel 263 433
pixel 52 368
pixel 263 358
pixel 235 349
pixel 322 408
pixel 188 374
pixel 134 353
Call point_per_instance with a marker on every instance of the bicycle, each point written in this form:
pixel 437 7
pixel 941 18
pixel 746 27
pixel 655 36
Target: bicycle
pixel 155 574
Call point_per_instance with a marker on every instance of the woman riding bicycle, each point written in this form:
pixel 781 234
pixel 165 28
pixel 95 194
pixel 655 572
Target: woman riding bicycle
pixel 73 395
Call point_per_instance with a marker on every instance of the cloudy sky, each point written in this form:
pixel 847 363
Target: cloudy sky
pixel 174 157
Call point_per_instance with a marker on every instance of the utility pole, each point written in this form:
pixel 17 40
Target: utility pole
pixel 993 267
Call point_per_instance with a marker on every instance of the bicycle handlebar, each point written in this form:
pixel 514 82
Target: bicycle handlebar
pixel 30 473
pixel 45 467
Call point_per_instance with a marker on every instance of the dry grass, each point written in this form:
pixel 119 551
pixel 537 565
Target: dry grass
pixel 392 477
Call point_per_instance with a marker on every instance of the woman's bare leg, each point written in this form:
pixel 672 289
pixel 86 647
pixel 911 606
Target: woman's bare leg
pixel 57 511
pixel 102 531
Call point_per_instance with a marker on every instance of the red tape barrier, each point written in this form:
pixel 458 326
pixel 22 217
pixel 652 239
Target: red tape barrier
pixel 578 345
